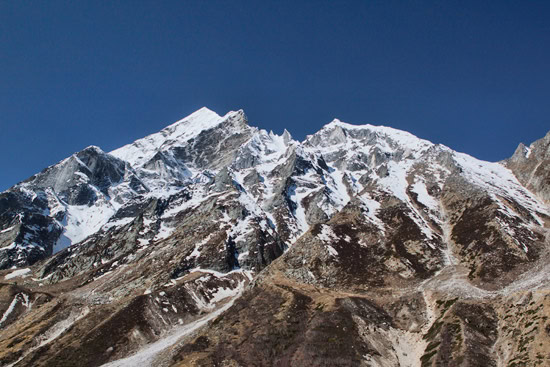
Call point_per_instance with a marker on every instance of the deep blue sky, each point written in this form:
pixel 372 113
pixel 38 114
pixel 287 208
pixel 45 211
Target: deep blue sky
pixel 472 75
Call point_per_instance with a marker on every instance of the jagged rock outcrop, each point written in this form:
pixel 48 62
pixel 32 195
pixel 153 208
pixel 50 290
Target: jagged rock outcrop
pixel 531 165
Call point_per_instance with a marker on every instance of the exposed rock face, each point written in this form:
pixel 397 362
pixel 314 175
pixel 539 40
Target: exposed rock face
pixel 213 243
pixel 531 165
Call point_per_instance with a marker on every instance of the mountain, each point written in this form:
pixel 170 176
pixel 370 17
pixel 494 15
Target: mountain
pixel 214 243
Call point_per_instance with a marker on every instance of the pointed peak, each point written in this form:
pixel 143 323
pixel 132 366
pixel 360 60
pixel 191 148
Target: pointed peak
pixel 178 133
pixel 205 109
pixel 200 114
pixel 522 152
pixel 339 123
pixel 331 125
pixel 205 118
pixel 381 129
pixel 92 148
pixel 240 114
pixel 287 138
pixel 90 151
pixel 337 132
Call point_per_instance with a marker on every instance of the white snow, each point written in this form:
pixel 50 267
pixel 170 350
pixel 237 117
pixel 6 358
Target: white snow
pixel 142 150
pixel 7 229
pixel 501 181
pixel 82 221
pixel 197 250
pixel 247 273
pixel 117 223
pixel 419 187
pixel 401 137
pixel 396 182
pixel 268 149
pixel 299 192
pixel 18 273
pixel 328 236
pixel 10 309
pixel 331 250
pixel 243 255
pixel 223 293
pixel 371 206
pixel 164 232
pixel 19 297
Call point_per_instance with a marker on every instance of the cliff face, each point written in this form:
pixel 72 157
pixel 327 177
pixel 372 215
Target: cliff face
pixel 215 243
pixel 531 165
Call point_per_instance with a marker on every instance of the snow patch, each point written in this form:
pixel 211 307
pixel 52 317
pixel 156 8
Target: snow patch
pixel 419 187
pixel 10 309
pixel 18 273
pixel 82 221
pixel 7 229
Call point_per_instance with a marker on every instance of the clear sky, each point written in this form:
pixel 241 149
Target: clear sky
pixel 473 75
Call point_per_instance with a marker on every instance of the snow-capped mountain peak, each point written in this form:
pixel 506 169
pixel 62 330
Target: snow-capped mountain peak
pixel 177 223
pixel 179 133
pixel 294 185
pixel 338 132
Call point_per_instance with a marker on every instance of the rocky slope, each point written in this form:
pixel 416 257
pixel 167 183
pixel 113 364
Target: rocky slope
pixel 214 243
pixel 531 165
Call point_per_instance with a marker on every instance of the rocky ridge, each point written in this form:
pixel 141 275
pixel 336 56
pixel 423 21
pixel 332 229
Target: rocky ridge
pixel 362 245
